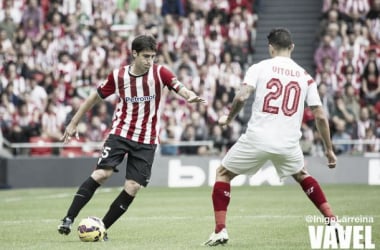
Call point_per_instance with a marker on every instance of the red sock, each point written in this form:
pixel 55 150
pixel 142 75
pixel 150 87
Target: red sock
pixel 316 195
pixel 220 200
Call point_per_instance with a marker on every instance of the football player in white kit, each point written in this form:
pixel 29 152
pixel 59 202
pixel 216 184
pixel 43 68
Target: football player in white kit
pixel 281 89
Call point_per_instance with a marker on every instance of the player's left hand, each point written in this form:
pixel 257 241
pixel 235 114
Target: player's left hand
pixel 196 99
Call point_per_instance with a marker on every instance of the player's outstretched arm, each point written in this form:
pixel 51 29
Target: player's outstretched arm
pixel 237 104
pixel 190 96
pixel 72 126
pixel 324 130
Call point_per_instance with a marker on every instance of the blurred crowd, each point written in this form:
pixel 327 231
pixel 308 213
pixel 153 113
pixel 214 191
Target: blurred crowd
pixel 53 53
pixel 347 61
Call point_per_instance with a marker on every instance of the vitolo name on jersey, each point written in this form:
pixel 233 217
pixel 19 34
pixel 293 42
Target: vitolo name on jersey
pixel 286 72
pixel 135 99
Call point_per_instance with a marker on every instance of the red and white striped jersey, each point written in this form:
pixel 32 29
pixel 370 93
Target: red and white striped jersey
pixel 137 112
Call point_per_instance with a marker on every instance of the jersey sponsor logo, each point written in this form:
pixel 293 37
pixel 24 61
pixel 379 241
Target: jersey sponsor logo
pixel 135 99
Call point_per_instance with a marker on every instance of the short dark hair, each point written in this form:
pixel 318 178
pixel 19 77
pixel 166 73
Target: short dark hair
pixel 280 38
pixel 144 42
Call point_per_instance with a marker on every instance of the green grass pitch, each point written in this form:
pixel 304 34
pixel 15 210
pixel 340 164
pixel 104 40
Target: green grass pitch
pixel 161 218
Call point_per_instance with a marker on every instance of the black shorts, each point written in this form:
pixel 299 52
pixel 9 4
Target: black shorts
pixel 139 161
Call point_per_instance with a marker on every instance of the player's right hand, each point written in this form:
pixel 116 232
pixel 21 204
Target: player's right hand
pixel 69 132
pixel 223 120
pixel 331 159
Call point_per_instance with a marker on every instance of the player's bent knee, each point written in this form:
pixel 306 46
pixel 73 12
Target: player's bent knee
pixel 131 187
pixel 223 174
pixel 301 175
pixel 101 175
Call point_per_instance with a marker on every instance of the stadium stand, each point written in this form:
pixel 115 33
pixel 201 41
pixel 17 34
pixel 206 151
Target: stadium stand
pixel 53 53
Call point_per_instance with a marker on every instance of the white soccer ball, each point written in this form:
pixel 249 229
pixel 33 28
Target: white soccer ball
pixel 91 229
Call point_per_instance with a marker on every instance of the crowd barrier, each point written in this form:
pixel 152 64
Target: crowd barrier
pixel 177 171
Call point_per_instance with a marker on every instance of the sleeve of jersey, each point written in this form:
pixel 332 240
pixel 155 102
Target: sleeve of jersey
pixel 251 76
pixel 312 98
pixel 169 79
pixel 107 87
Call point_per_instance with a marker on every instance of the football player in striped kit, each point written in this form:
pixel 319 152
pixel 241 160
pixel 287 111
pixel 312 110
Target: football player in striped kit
pixel 136 122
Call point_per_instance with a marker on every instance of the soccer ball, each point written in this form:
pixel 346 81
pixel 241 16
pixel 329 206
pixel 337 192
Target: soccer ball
pixel 91 229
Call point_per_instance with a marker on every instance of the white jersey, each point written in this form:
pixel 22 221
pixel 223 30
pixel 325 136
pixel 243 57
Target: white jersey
pixel 281 89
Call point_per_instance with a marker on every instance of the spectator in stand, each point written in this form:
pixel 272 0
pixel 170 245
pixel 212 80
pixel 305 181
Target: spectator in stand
pixel 238 34
pixel 228 64
pixel 12 76
pixel 212 65
pixel 32 20
pixel 56 25
pixel 373 54
pixel 67 68
pixel 373 22
pixel 216 26
pixel 372 142
pixel 189 135
pixel 351 100
pixel 114 58
pixel 371 83
pixel 219 9
pixel 326 50
pixel 214 45
pixel 171 31
pixel 199 124
pixel 235 4
pixel 12 99
pixel 173 7
pixel 38 95
pixel 340 138
pixel 350 76
pixel 326 98
pixel 355 9
pixel 332 15
pixel 75 104
pixel 7 109
pixel 125 16
pixel 361 125
pixel 72 42
pixel 341 112
pixel 25 124
pixel 168 141
pixel 14 11
pixel 42 61
pixel 361 33
pixel 93 56
pixel 8 25
pixel 328 76
pixel 51 126
pixel 333 30
pixel 96 129
pixel 104 112
pixel 205 82
pixel 193 44
pixel 185 61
